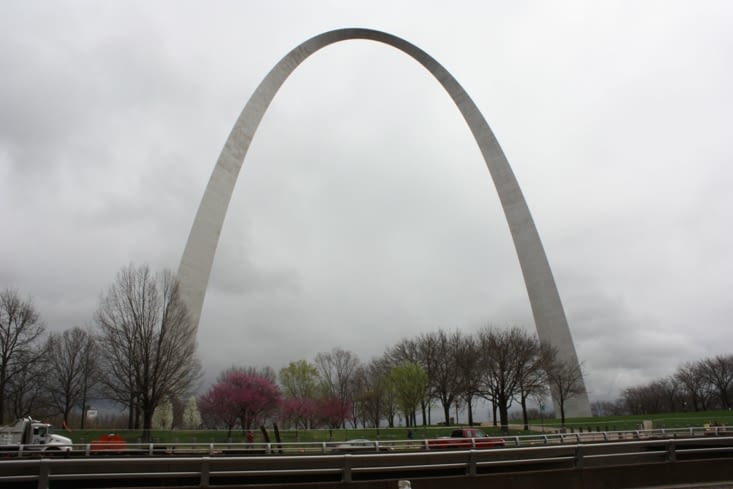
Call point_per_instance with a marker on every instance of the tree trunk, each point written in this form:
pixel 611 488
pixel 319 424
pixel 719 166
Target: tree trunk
pixel 524 413
pixel 131 414
pixel 561 402
pixel 83 406
pixel 504 416
pixel 3 385
pixel 137 415
pixel 147 425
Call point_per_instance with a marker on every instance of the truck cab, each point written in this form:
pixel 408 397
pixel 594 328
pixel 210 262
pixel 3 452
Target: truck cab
pixel 42 434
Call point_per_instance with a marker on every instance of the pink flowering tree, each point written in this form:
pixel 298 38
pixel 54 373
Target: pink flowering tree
pixel 217 407
pixel 241 396
pixel 299 412
pixel 333 412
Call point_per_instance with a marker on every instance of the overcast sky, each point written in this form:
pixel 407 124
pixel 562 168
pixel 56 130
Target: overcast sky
pixel 364 212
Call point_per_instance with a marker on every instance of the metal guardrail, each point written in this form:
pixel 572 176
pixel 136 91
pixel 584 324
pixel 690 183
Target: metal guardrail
pixel 376 446
pixel 217 471
pixel 423 444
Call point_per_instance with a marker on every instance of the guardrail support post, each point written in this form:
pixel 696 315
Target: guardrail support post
pixel 471 468
pixel 671 453
pixel 346 477
pixel 578 457
pixel 204 481
pixel 44 470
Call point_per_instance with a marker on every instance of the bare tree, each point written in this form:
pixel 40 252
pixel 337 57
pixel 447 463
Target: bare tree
pixel 360 395
pixel 468 363
pixel 444 378
pixel 89 364
pixel 26 392
pixel 20 332
pixel 507 357
pixel 719 373
pixel 532 376
pixel 71 370
pixel 372 393
pixel 383 400
pixel 659 396
pixel 699 386
pixel 671 394
pixel 148 341
pixel 643 399
pixel 691 377
pixel 337 369
pixel 565 381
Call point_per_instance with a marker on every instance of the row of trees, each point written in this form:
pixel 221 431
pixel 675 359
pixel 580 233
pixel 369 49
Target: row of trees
pixel 502 366
pixel 139 352
pixel 51 374
pixel 695 386
pixel 451 370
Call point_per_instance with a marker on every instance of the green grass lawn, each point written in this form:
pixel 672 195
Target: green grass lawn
pixel 607 423
pixel 664 420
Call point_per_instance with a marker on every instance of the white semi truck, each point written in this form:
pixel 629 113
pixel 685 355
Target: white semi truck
pixel 31 434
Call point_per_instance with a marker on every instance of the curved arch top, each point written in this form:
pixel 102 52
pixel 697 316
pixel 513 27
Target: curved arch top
pixel 198 256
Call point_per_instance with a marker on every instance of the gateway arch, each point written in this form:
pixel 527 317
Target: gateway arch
pixel 198 256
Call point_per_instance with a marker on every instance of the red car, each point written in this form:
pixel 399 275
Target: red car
pixel 466 438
